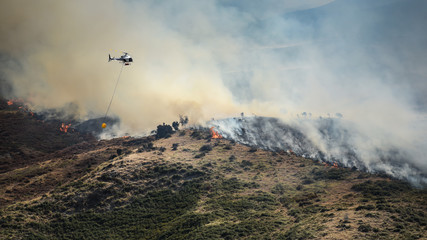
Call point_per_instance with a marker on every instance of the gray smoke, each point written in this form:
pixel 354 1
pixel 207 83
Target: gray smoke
pixel 338 144
pixel 362 59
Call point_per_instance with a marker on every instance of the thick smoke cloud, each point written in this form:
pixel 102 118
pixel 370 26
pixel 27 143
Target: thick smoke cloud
pixel 360 59
pixel 57 53
pixel 335 142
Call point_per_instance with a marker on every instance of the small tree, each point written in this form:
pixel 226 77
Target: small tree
pixel 183 120
pixel 164 131
pixel 175 125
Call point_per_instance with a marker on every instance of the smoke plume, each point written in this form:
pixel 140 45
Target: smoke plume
pixel 360 61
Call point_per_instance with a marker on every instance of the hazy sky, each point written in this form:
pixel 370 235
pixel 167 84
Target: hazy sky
pixel 293 56
pixel 363 59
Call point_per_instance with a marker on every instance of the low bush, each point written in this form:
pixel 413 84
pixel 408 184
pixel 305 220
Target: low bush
pixel 331 174
pixel 297 232
pixel 364 228
pixel 206 148
pixel 228 147
pixel 174 146
pixel 253 149
pixel 164 131
pixel 245 163
pixel 381 188
pixel 278 189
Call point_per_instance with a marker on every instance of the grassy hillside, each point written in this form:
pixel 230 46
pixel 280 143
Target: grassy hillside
pixel 189 186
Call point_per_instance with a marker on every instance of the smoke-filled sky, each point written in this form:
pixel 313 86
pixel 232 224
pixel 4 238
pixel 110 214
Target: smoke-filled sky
pixel 362 59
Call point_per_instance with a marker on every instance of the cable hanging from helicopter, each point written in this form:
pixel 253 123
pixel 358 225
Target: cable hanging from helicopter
pixel 125 60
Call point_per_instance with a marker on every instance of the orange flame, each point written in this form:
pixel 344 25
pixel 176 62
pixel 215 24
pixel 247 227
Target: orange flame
pixel 333 165
pixel 15 101
pixel 64 127
pixel 214 133
pixel 21 105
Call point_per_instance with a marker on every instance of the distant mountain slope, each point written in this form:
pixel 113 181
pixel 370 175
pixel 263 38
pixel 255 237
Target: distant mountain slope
pixel 189 186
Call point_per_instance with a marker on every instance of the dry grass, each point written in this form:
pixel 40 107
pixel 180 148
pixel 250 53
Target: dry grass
pixel 308 200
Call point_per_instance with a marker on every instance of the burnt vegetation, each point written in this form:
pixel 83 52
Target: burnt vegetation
pixel 186 186
pixel 25 138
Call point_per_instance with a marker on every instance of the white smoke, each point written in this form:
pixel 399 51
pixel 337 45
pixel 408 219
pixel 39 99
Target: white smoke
pixel 364 59
pixel 325 139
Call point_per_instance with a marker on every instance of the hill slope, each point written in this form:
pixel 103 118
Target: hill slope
pixel 189 186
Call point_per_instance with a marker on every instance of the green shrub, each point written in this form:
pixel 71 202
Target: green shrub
pixel 278 189
pixel 175 146
pixel 297 232
pixel 331 174
pixel 228 147
pixel 245 163
pixel 164 131
pixel 307 181
pixel 381 188
pixel 206 148
pixel 364 228
pixel 253 149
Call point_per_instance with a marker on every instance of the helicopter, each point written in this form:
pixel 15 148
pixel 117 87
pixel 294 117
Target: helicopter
pixel 125 58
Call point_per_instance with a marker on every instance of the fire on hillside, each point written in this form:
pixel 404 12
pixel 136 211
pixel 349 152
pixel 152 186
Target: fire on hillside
pixel 214 133
pixel 21 105
pixel 327 140
pixel 64 127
